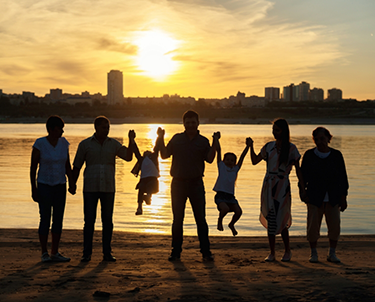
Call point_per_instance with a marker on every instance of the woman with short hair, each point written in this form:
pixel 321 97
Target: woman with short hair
pixel 51 154
pixel 326 184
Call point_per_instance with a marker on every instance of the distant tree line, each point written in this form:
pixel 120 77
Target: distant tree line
pixel 210 110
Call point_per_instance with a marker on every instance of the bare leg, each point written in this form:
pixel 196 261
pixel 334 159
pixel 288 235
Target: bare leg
pixel 147 198
pixel 140 201
pixel 272 243
pixel 224 209
pixel 237 214
pixel 285 236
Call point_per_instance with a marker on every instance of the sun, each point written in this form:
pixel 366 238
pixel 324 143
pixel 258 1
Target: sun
pixel 155 54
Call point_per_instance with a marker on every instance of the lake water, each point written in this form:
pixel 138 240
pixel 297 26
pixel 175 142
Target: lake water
pixel 357 143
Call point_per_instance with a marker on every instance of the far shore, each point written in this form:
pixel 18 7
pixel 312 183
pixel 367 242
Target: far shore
pixel 155 120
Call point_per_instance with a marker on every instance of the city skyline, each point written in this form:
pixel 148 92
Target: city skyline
pixel 204 49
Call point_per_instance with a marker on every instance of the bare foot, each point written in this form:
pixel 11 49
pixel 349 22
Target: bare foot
pixel 139 211
pixel 270 258
pixel 232 228
pixel 287 256
pixel 220 225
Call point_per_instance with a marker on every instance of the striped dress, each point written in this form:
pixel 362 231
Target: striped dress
pixel 275 209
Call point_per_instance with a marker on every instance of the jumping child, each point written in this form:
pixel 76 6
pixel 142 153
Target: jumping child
pixel 148 166
pixel 224 187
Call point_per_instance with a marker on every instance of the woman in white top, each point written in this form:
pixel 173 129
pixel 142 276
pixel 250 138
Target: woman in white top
pixel 51 154
pixel 224 186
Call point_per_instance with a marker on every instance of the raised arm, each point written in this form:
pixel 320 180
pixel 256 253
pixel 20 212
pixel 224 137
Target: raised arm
pixel 255 159
pixel 35 158
pixel 211 154
pixel 218 147
pixel 160 145
pixel 136 152
pixel 244 152
pixel 126 153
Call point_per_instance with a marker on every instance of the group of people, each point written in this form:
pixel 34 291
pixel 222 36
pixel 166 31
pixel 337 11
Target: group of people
pixel 322 181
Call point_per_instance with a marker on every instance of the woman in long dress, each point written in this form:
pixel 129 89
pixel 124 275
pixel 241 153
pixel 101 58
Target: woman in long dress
pixel 275 212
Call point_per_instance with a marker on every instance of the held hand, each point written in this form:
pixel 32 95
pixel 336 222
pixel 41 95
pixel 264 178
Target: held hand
pixel 72 189
pixel 249 142
pixel 217 135
pixel 160 132
pixel 131 134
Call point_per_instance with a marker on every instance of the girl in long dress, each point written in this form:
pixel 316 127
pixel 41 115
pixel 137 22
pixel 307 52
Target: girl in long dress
pixel 275 211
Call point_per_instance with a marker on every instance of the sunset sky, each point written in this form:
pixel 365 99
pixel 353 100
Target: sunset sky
pixel 199 48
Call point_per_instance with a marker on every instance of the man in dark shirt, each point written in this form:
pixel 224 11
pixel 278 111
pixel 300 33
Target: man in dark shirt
pixel 189 151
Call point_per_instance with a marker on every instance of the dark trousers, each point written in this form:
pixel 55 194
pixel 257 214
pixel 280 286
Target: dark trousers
pixel 90 203
pixel 51 203
pixel 181 189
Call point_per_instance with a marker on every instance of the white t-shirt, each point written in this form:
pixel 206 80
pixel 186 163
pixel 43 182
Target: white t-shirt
pixel 148 168
pixel 322 155
pixel 52 161
pixel 227 178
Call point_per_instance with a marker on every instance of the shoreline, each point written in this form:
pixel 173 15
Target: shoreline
pixel 143 273
pixel 245 121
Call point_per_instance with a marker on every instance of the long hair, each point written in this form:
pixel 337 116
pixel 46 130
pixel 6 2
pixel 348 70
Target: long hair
pixel 285 140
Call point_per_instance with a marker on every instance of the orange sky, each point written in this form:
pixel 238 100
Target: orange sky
pixel 200 48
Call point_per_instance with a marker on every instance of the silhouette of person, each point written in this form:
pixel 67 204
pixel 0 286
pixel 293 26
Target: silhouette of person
pixel 326 181
pixel 189 151
pixel 224 186
pixel 99 153
pixel 51 154
pixel 281 155
pixel 148 166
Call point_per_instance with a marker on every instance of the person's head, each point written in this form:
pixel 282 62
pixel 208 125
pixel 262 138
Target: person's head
pixel 102 124
pixel 55 125
pixel 230 159
pixel 280 130
pixel 191 122
pixel 322 137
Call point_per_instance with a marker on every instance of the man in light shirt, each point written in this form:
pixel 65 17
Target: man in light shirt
pixel 99 153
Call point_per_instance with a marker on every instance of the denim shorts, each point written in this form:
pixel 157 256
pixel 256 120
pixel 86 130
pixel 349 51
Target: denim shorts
pixel 228 198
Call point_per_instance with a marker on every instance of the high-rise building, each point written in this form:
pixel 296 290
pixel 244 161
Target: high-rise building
pixel 115 88
pixel 272 93
pixel 316 94
pixel 55 94
pixel 304 89
pixel 334 94
pixel 291 93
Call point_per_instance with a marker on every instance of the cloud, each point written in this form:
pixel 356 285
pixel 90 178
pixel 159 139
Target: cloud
pixel 113 45
pixel 244 43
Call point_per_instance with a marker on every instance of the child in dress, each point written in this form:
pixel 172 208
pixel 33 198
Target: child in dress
pixel 224 187
pixel 148 167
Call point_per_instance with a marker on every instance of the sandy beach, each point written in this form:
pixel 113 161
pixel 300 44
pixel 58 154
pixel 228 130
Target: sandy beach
pixel 143 273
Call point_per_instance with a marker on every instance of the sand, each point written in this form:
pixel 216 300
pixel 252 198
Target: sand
pixel 143 273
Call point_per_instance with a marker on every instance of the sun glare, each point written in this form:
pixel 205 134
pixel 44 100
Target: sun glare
pixel 155 54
